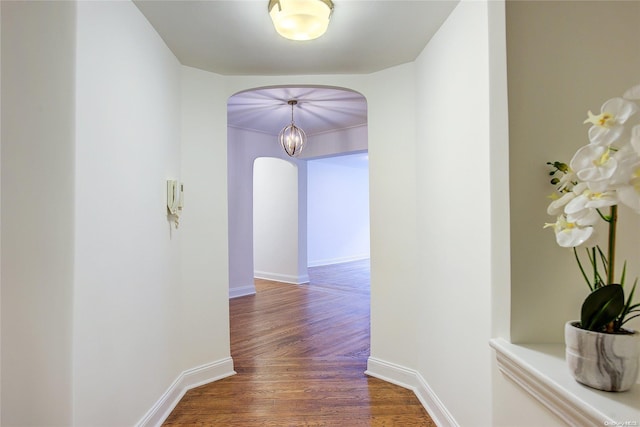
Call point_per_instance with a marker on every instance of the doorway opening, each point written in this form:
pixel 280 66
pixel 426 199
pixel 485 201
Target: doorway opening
pixel 335 120
pixel 335 206
pixel 299 221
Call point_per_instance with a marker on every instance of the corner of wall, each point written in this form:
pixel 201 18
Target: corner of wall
pixel 412 380
pixel 187 380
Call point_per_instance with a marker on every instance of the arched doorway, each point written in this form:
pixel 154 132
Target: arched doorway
pixel 335 120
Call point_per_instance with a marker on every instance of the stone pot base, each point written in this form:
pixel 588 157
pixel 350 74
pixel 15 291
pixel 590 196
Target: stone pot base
pixel 602 361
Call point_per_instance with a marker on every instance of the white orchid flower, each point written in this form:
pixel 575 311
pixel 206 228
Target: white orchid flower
pixel 607 126
pixel 594 165
pixel 635 138
pixel 633 93
pixel 628 161
pixel 583 209
pixel 569 234
pixel 585 217
pixel 589 200
pixel 629 194
pixel 557 206
pixel 566 180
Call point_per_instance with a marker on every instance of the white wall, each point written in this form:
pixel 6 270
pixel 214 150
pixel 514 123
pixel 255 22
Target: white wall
pixel 38 43
pixel 454 215
pixel 127 319
pixel 92 130
pixel 277 223
pixel 336 142
pixel 389 95
pixel 463 221
pixel 203 225
pixel 338 213
pixel 244 147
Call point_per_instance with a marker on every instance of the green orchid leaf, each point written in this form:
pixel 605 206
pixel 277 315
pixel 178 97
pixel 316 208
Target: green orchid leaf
pixel 629 318
pixel 597 279
pixel 584 274
pixel 601 307
pixel 605 262
pixel 628 306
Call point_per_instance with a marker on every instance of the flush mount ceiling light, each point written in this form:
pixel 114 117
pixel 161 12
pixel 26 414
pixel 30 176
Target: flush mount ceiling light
pixel 292 138
pixel 300 19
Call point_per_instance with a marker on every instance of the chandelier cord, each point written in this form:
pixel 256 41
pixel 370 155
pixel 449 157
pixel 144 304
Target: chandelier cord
pixel 292 102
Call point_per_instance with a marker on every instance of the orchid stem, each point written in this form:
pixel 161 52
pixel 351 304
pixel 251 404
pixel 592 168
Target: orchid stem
pixel 613 219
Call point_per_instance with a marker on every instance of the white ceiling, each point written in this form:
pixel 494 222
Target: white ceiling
pixel 319 109
pixel 236 37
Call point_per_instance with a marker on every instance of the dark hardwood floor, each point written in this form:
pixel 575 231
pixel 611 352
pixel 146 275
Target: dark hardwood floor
pixel 300 353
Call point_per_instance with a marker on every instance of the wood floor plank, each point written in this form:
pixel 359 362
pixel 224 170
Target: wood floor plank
pixel 300 353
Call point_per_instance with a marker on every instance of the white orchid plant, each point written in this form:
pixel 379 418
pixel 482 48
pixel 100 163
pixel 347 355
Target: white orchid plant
pixel 601 175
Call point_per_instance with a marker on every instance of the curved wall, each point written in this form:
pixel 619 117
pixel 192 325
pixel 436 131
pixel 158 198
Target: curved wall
pixel 279 223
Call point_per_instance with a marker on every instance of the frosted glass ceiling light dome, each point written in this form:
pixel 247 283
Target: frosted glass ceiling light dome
pixel 292 138
pixel 300 19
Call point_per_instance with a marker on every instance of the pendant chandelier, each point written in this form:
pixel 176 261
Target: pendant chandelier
pixel 300 19
pixel 292 138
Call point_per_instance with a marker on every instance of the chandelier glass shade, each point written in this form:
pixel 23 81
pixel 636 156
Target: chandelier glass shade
pixel 292 138
pixel 300 19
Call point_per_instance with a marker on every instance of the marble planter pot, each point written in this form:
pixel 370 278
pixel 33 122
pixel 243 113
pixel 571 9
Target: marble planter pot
pixel 602 361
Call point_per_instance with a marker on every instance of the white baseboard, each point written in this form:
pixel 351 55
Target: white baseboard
pixel 187 380
pixel 412 380
pixel 433 405
pixel 340 260
pixel 242 291
pixel 286 278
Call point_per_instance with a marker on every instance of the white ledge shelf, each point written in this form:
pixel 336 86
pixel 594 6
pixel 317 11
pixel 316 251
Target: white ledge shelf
pixel 541 371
